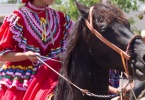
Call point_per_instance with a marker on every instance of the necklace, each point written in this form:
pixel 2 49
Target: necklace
pixel 34 11
pixel 43 24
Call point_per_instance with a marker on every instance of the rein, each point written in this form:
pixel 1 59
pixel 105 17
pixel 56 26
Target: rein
pixel 84 91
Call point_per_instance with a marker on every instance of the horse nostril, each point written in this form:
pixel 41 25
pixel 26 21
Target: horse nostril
pixel 143 58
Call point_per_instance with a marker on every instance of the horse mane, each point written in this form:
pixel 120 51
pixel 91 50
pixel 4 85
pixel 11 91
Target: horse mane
pixel 73 38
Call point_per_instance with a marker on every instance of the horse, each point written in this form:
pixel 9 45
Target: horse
pixel 88 58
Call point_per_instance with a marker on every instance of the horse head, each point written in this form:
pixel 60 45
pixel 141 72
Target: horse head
pixel 89 59
pixel 111 23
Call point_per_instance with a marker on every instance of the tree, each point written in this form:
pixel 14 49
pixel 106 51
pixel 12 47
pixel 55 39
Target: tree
pixel 68 6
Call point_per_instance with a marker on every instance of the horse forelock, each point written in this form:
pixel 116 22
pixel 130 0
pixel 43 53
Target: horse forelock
pixel 109 13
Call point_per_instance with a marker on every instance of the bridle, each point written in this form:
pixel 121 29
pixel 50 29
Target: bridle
pixel 125 56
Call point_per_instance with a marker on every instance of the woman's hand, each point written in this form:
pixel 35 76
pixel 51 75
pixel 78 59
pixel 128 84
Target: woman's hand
pixel 117 90
pixel 32 56
pixel 124 90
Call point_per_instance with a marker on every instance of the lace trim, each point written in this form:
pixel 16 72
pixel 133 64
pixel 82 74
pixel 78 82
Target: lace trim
pixel 35 7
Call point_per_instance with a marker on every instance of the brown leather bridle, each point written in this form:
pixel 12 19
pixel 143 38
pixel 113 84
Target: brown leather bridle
pixel 124 54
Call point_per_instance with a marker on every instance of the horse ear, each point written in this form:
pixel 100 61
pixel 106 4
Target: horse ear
pixel 82 9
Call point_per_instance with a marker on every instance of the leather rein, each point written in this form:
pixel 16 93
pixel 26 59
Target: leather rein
pixel 124 54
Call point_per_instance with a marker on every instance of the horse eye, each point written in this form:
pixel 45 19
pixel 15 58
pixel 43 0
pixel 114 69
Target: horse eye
pixel 143 58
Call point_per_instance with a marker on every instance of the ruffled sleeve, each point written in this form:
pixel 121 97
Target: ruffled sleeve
pixel 68 26
pixel 8 33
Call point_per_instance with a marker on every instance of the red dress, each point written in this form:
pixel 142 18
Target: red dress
pixel 28 30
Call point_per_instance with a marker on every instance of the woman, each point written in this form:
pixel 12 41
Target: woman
pixel 33 30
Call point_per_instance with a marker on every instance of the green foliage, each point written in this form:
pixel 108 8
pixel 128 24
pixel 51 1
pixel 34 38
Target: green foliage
pixel 69 7
pixel 12 1
pixel 126 5
pixel 58 1
pixel 133 27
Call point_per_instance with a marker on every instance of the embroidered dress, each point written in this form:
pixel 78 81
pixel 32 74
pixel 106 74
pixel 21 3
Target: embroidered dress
pixel 28 30
pixel 114 78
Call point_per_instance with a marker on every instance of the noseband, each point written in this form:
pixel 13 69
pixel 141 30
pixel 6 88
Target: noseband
pixel 124 54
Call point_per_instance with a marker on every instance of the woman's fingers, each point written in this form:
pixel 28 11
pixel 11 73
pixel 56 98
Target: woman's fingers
pixel 32 56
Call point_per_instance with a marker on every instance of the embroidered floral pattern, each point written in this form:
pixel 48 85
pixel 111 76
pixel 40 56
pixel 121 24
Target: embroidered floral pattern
pixel 18 76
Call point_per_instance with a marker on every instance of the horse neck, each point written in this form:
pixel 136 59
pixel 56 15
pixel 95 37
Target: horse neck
pixel 85 73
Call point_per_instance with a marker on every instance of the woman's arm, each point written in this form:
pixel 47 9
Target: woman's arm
pixel 19 56
pixel 113 90
pixel 116 91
